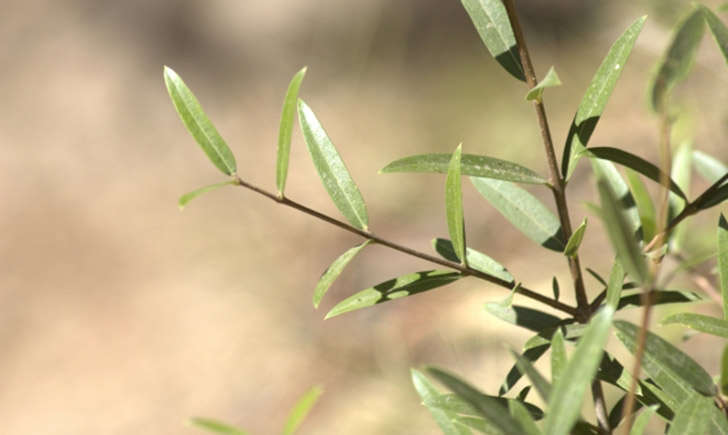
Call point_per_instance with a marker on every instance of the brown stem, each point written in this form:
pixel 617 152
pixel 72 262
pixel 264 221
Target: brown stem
pixel 465 270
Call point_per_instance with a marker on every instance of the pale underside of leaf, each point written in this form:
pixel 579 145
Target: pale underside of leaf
pixel 551 79
pixel 454 205
pixel 333 272
pixel 700 322
pixel 443 418
pixel 187 197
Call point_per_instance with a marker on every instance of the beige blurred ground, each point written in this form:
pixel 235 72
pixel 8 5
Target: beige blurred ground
pixel 122 315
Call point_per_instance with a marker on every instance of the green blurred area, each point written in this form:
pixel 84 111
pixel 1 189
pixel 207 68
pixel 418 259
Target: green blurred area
pixel 123 315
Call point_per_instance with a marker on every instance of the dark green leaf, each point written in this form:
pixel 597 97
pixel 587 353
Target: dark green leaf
pixel 718 196
pixel 633 162
pixel 286 129
pixel 645 206
pixel 724 372
pixel 301 409
pixel 532 354
pixel 443 418
pixel 572 246
pixel 454 205
pixel 674 371
pixel 488 407
pixel 331 169
pixel 699 322
pixel 524 317
pixel 595 99
pixel 187 197
pixel 198 124
pixel 406 285
pixel 555 288
pixel 476 260
pixel 216 426
pixel 678 59
pixel 521 415
pixel 640 423
pixel 723 261
pixel 614 287
pixel 558 356
pixel 491 21
pixel 693 417
pixel 550 80
pixel 567 395
pixel 333 272
pixel 537 380
pixel 471 164
pixel 718 29
pixel 523 210
pixel 709 167
pixel 659 297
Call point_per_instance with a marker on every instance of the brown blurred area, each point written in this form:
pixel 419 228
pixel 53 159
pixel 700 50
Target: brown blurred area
pixel 122 315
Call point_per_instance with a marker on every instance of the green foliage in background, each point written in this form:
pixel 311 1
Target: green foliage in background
pixel 643 230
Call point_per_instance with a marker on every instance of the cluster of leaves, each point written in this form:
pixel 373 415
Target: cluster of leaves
pixel 642 230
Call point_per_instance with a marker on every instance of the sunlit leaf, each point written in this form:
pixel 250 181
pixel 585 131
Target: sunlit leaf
pixel 708 167
pixel 491 21
pixel 558 356
pixel 572 246
pixel 454 205
pixel 723 261
pixel 187 197
pixel 550 80
pixel 645 206
pixel 678 59
pixel 659 297
pixel 333 272
pixel 301 409
pixel 568 393
pixel 640 423
pixel 286 129
pixel 443 418
pixel 476 260
pixel 699 322
pixel 488 407
pixel 456 404
pixel 523 210
pixel 611 175
pixel 198 124
pixel 521 415
pixel 471 164
pixel 614 286
pixel 215 426
pixel 537 380
pixel 595 99
pixel 403 286
pixel 680 173
pixel 693 417
pixel 673 370
pixel 331 169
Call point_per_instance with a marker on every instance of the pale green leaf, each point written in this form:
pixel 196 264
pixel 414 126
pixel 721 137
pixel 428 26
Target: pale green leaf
pixel 550 80
pixel 595 99
pixel 454 205
pixel 406 285
pixel 491 21
pixel 723 261
pixel 476 260
pixel 699 322
pixel 198 124
pixel 717 29
pixel 521 415
pixel 333 272
pixel 673 370
pixel 568 393
pixel 693 417
pixel 537 380
pixel 330 167
pixel 301 409
pixel 680 173
pixel 187 197
pixel 677 60
pixel 708 166
pixel 443 418
pixel 456 404
pixel 558 356
pixel 610 173
pixel 640 423
pixel 645 206
pixel 471 164
pixel 215 426
pixel 523 210
pixel 286 129
pixel 572 246
pixel 614 286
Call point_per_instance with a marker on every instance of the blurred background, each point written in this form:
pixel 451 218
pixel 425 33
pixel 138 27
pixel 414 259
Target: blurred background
pixel 121 314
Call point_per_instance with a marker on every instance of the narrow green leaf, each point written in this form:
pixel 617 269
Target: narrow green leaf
pixel 215 426
pixel 456 404
pixel 523 210
pixel 286 129
pixel 614 287
pixel 723 261
pixel 550 80
pixel 187 197
pixel 406 285
pixel 525 317
pixel 699 322
pixel 198 124
pixel 490 19
pixel 678 59
pixel 596 96
pixel 693 417
pixel 640 423
pixel 476 423
pixel 645 206
pixel 471 164
pixel 454 205
pixel 673 370
pixel 532 354
pixel 336 178
pixel 717 29
pixel 717 197
pixel 708 166
pixel 555 288
pixel 333 272
pixel 572 246
pixel 301 409
pixel 537 380
pixel 558 356
pixel 476 260
pixel 523 417
pixel 567 395
pixel 681 175
pixel 610 173
pixel 443 418
pixel 620 232
pixel 633 162
pixel 724 372
pixel 489 408
pixel 659 297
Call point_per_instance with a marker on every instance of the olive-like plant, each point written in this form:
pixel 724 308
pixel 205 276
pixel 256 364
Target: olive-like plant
pixel 643 230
